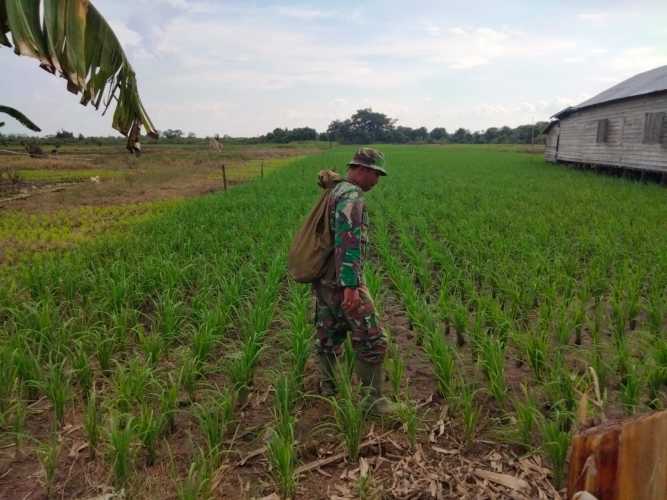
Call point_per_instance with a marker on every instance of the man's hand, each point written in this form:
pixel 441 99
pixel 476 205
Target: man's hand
pixel 351 300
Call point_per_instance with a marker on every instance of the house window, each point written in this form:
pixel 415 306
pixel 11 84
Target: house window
pixel 603 129
pixel 653 125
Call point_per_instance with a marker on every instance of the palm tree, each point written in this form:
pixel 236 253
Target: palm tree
pixel 71 38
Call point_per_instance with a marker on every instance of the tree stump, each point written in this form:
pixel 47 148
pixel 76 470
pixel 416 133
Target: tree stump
pixel 624 460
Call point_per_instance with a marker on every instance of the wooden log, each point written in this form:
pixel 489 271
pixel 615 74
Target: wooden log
pixel 624 460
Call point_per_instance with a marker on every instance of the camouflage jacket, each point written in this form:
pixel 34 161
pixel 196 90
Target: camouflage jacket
pixel 349 223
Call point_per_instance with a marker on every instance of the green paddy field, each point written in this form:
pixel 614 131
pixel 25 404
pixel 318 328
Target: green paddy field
pixel 170 358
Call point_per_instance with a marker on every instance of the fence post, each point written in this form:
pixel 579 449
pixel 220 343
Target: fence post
pixel 262 169
pixel 224 176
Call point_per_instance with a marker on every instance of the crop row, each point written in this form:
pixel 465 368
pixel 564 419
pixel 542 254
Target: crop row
pixel 560 289
pixel 147 336
pixel 523 295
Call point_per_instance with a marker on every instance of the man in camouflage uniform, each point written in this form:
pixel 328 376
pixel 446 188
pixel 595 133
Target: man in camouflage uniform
pixel 343 302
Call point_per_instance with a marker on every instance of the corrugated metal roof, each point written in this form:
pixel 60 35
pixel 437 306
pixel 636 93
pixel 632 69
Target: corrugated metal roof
pixel 651 81
pixel 550 126
pixel 648 82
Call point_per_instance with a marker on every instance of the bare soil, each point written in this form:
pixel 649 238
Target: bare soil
pixel 442 465
pixel 161 173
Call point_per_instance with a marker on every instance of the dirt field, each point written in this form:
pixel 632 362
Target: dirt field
pixel 62 199
pixel 108 175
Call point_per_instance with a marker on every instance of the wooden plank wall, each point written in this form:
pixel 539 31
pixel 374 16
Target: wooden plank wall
pixel 624 147
pixel 550 145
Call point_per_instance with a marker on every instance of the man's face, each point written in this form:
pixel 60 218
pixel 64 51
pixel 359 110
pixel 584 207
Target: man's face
pixel 368 178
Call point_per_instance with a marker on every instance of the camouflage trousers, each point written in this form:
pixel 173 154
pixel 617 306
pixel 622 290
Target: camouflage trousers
pixel 333 324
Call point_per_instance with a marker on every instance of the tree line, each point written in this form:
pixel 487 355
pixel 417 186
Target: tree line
pixel 365 126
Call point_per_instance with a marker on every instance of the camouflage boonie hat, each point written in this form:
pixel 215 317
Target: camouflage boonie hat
pixel 369 158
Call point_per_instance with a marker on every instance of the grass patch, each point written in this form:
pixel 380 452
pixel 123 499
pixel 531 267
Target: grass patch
pixel 74 175
pixel 24 236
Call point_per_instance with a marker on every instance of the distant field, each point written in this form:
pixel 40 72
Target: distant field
pixel 86 191
pixel 159 163
pixel 169 358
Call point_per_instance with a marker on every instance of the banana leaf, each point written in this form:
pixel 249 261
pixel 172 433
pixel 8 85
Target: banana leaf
pixel 4 26
pixel 72 39
pixel 20 117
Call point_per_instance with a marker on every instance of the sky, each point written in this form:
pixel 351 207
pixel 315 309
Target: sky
pixel 244 68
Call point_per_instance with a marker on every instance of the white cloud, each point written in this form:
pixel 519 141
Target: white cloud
pixel 465 48
pixel 431 29
pixel 289 60
pixel 520 113
pixel 127 37
pixel 588 56
pixel 620 16
pixel 194 7
pixel 303 13
pixel 180 4
pixel 357 15
pixel 638 59
pixel 467 62
pixel 237 54
pixel 594 18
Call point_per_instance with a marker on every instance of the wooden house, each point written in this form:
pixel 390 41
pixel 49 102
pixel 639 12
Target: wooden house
pixel 624 127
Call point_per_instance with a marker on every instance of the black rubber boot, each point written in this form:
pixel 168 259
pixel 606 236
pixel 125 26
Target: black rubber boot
pixel 372 379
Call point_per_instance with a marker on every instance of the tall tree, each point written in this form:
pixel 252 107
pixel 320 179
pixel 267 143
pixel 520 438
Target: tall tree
pixel 439 134
pixel 72 39
pixel 461 136
pixel 420 134
pixel 490 135
pixel 341 131
pixel 370 125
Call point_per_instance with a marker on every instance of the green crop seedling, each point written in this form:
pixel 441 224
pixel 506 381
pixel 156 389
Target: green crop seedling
pixel 130 313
